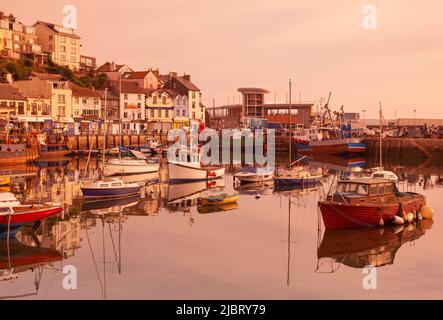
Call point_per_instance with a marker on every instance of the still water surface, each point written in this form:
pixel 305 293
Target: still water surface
pixel 267 247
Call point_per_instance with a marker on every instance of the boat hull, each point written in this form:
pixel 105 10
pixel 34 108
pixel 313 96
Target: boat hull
pixel 347 146
pixel 18 220
pixel 109 192
pixel 304 182
pixel 179 173
pixel 339 215
pixel 121 168
pixel 254 178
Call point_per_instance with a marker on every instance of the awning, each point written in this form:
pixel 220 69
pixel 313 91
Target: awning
pixel 33 119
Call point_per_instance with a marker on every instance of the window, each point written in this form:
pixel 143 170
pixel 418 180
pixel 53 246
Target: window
pixel 164 100
pixel 73 59
pixel 61 98
pixel 152 113
pixel 139 115
pixel 73 41
pixel 62 39
pixel 373 190
pixel 139 97
pixel 389 188
pixel 381 188
pixel 126 105
pixel 84 101
pixel 61 111
pixel 193 94
pixel 139 105
pixel 50 47
pixel 62 48
pixel 125 96
pixel 73 50
pixel 63 58
pixel 184 113
pixel 34 109
pixel 193 104
pixel 193 115
pixel 21 108
pixel 76 100
pixel 50 37
pixel 125 115
pixel 167 114
pixel 46 109
pixel 154 99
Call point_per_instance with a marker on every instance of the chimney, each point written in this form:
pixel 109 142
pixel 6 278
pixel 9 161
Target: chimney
pixel 172 74
pixel 112 66
pixel 187 77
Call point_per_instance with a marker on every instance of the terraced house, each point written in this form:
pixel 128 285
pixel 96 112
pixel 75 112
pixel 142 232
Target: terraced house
pixel 132 106
pixel 86 109
pixel 11 100
pixel 62 44
pixel 184 86
pixel 160 109
pixel 16 39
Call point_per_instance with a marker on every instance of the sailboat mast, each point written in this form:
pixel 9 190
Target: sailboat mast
pixel 381 127
pixel 290 122
pixel 104 126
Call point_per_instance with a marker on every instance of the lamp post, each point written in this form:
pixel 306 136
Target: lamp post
pixel 364 112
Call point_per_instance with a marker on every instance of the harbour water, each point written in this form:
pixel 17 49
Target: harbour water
pixel 270 246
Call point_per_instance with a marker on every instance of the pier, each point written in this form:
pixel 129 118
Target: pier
pixel 404 147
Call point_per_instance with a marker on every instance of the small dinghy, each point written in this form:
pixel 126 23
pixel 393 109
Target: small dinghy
pixel 217 200
pixel 108 189
pixel 255 174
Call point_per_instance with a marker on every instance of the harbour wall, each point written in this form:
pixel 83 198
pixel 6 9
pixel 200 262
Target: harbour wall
pixel 405 147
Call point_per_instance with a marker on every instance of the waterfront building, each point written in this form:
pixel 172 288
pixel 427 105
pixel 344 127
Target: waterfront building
pixel 181 112
pixel 160 108
pixel 132 106
pixel 61 43
pixel 87 63
pixel 254 106
pixel 186 87
pixel 112 110
pixel 11 100
pixel 86 109
pixel 16 39
pixel 113 71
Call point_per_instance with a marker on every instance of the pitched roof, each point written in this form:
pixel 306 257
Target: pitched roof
pixel 187 83
pixel 106 67
pixel 48 76
pixel 7 92
pixel 53 26
pixel 84 92
pixel 126 86
pixel 135 75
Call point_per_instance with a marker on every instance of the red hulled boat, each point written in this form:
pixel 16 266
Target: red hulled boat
pixel 15 214
pixel 367 202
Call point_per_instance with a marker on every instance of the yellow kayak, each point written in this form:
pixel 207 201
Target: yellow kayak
pixel 6 181
pixel 218 200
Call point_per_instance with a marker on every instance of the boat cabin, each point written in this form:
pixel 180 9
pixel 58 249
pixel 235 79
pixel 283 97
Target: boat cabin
pixel 364 190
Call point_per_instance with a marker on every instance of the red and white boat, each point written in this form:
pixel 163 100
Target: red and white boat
pixel 368 202
pixel 13 214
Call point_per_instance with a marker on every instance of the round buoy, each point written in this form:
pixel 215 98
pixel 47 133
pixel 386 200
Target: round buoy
pixel 410 227
pixel 427 212
pixel 410 217
pixel 398 220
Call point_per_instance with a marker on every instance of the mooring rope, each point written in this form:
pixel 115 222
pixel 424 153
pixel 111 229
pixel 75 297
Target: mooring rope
pixel 350 218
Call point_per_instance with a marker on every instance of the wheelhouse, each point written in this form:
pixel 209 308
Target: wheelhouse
pixel 365 187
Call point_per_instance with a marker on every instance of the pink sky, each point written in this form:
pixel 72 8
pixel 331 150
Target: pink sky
pixel 227 44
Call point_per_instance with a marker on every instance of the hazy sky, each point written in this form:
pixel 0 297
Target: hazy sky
pixel 227 44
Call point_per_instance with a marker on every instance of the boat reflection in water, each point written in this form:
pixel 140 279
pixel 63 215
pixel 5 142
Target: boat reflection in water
pixel 360 247
pixel 181 197
pixel 17 258
pixel 255 188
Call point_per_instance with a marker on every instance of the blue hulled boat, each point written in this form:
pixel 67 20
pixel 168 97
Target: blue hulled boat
pixel 109 189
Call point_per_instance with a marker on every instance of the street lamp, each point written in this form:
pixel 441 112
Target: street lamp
pixel 414 123
pixel 364 112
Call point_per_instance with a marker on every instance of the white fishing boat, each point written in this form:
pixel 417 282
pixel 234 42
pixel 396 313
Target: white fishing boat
pixel 297 177
pixel 125 166
pixel 191 170
pixel 255 174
